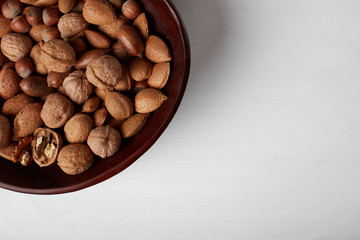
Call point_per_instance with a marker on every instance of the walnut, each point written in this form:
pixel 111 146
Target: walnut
pixel 104 141
pixel 75 158
pixel 45 146
pixel 15 46
pixel 71 24
pixel 77 87
pixel 78 128
pixel 104 72
pixel 35 55
pixel 58 55
pixel 57 110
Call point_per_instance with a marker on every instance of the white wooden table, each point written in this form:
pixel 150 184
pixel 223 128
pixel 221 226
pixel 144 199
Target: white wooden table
pixel 265 145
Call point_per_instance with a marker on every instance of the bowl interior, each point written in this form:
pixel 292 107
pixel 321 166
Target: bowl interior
pixel 165 22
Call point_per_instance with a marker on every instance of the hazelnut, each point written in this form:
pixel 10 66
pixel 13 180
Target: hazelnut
pixel 104 141
pixel 138 86
pixel 5 132
pixel 4 26
pixel 99 12
pixel 75 158
pixel 131 9
pixel 58 55
pixel 104 72
pixel 148 100
pixel 100 117
pixel 45 146
pixel 131 40
pixel 85 58
pixel 78 128
pixel 65 6
pixel 35 86
pixel 35 55
pixel 91 105
pixel 156 50
pixel 50 33
pixel 15 46
pixel 50 16
pixel 28 120
pixel 159 75
pixel 77 87
pixel 24 67
pixel 133 124
pixel 139 68
pixel 34 15
pixel 57 110
pixel 11 8
pixel 15 104
pixel 36 32
pixel 71 24
pixel 55 79
pixel 119 106
pixel 19 24
pixel 9 83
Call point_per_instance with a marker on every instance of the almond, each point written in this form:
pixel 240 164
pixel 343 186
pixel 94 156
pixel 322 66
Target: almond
pixel 119 106
pixel 15 104
pixel 100 117
pixel 4 26
pixel 148 100
pixel 97 40
pixel 126 81
pixel 131 40
pixel 111 30
pixel 28 120
pixel 15 46
pixel 9 83
pixel 91 105
pixel 65 6
pixel 85 58
pixel 5 132
pixel 99 12
pixel 71 24
pixel 160 75
pixel 133 124
pixel 139 68
pixel 141 24
pixel 156 50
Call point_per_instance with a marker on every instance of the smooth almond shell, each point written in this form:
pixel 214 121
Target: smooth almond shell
pixel 131 40
pixel 133 124
pixel 85 58
pixel 15 104
pixel 28 120
pixel 156 50
pixel 9 83
pixel 139 68
pixel 100 117
pixel 148 100
pixel 99 12
pixel 65 6
pixel 91 105
pixel 160 75
pixel 118 105
pixel 97 40
pixel 141 24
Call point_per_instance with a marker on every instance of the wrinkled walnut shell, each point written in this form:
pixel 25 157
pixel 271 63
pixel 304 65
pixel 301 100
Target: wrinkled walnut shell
pixel 104 141
pixel 77 87
pixel 57 110
pixel 75 158
pixel 78 128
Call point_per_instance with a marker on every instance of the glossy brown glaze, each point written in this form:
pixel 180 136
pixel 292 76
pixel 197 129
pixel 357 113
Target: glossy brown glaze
pixel 166 22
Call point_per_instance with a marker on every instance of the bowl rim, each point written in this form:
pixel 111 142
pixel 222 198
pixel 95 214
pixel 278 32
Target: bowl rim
pixel 136 154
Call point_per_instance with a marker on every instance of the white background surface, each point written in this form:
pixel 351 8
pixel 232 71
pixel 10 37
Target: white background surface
pixel 265 145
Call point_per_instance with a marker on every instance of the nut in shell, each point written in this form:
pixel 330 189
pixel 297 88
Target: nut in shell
pixel 4 26
pixel 160 75
pixel 57 110
pixel 35 86
pixel 133 124
pixel 141 24
pixel 28 120
pixel 104 72
pixel 104 141
pixel 111 30
pixel 71 24
pixel 77 87
pixel 5 132
pixel 156 50
pixel 75 158
pixel 139 68
pixel 78 128
pixel 9 83
pixel 131 40
pixel 45 146
pixel 119 106
pixel 99 12
pixel 148 100
pixel 35 55
pixel 15 46
pixel 91 105
pixel 15 104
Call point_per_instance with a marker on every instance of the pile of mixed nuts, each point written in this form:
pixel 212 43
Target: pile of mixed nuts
pixel 77 76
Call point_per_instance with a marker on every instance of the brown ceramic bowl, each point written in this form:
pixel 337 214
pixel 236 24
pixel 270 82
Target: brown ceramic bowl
pixel 166 22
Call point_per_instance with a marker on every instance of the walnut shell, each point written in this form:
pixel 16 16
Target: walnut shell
pixel 58 55
pixel 45 146
pixel 28 120
pixel 78 128
pixel 104 72
pixel 35 55
pixel 75 158
pixel 15 46
pixel 119 106
pixel 71 24
pixel 57 110
pixel 5 132
pixel 77 87
pixel 104 141
pixel 15 104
